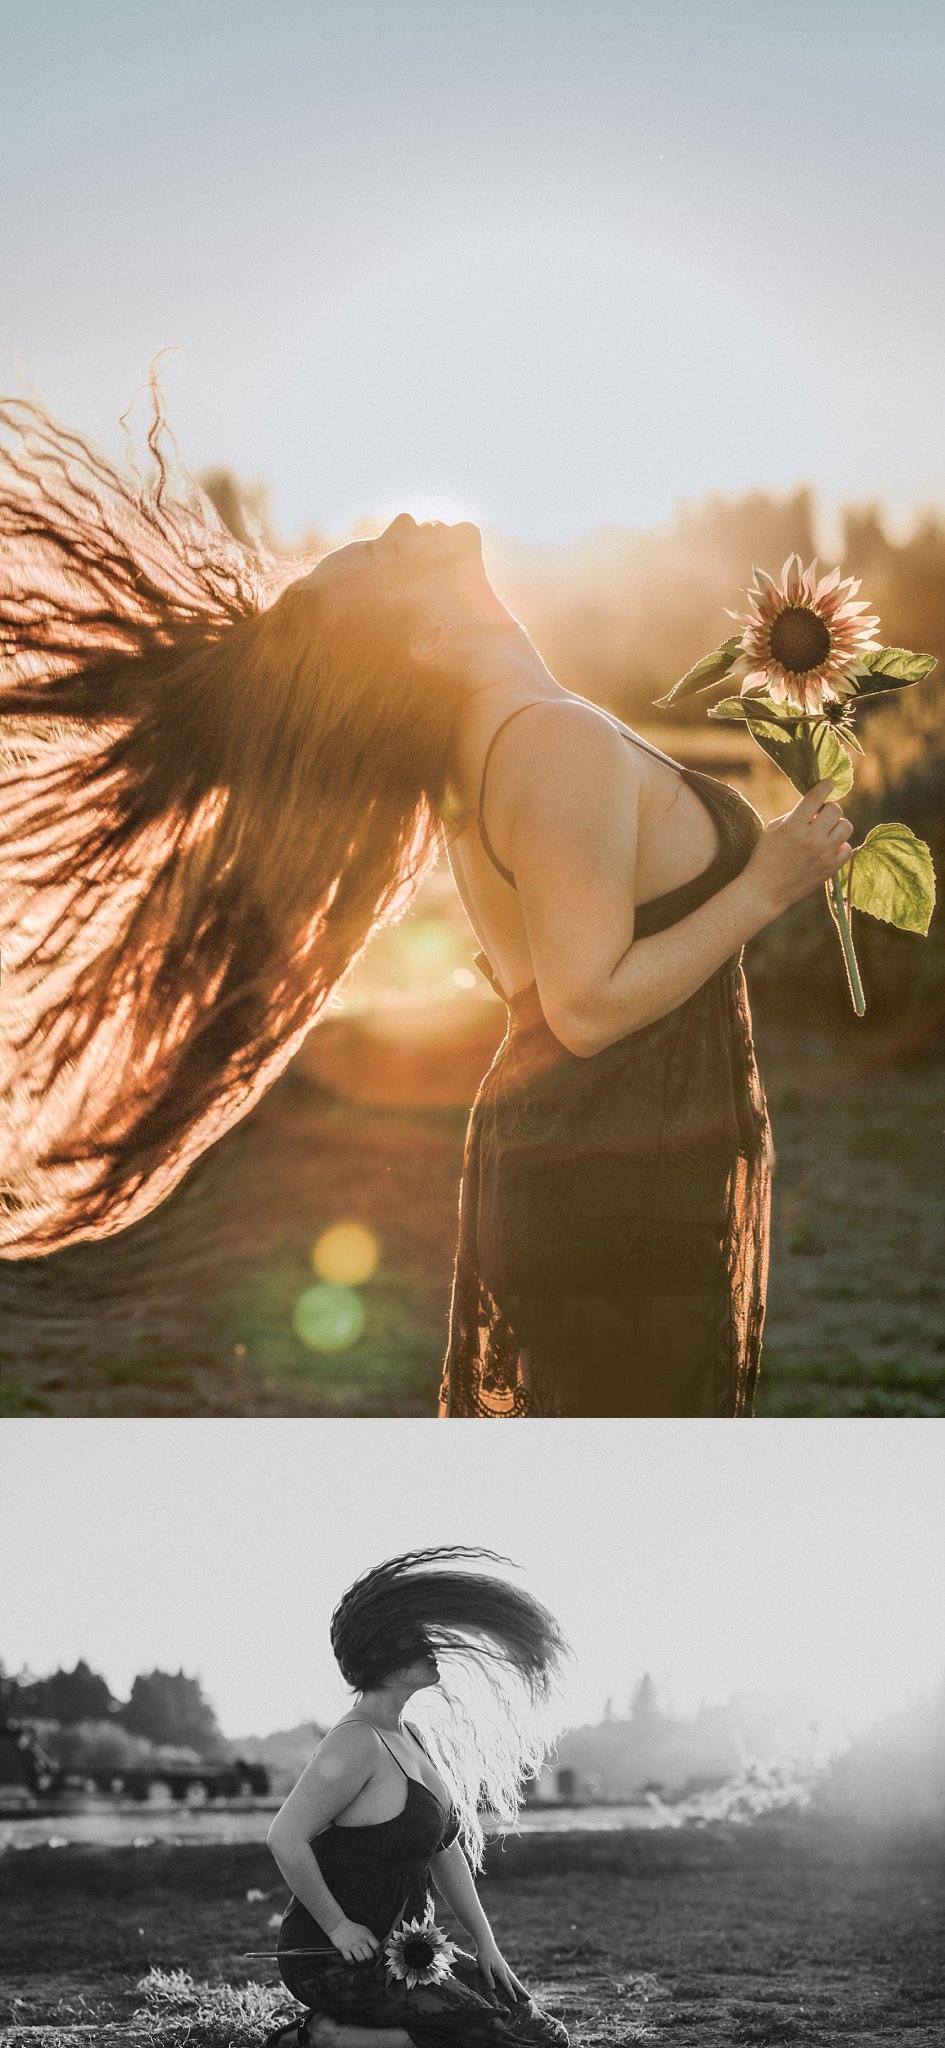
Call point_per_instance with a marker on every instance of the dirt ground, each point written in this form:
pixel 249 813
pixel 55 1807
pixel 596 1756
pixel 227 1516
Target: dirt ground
pixel 190 1312
pixel 786 1931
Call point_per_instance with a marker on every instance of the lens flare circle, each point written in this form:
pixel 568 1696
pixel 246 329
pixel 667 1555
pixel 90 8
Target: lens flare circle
pixel 328 1318
pixel 346 1254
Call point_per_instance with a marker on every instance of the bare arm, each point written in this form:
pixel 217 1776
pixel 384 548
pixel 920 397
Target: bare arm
pixel 454 1880
pixel 573 804
pixel 340 1768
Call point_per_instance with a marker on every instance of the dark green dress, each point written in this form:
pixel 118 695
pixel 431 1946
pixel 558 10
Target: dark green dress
pixel 614 1212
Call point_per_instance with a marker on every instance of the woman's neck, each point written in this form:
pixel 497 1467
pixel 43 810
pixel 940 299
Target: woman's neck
pixel 382 1707
pixel 508 666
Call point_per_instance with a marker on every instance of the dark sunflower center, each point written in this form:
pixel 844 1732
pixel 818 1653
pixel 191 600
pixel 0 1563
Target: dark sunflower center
pixel 799 639
pixel 418 1952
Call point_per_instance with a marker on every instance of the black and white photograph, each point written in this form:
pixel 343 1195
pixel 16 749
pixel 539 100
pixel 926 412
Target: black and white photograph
pixel 366 1734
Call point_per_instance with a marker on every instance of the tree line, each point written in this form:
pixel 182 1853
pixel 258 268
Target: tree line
pixel 168 1709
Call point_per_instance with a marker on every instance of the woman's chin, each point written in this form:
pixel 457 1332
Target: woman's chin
pixel 467 535
pixel 458 542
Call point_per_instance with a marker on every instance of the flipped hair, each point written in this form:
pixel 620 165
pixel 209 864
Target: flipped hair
pixel 214 788
pixel 491 1720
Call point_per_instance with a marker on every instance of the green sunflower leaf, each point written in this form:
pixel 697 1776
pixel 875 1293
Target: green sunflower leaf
pixel 713 668
pixel 893 878
pixel 831 758
pixel 892 668
pixel 803 751
pixel 755 711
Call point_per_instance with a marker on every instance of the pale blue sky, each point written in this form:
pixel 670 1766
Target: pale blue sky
pixel 546 266
pixel 798 1558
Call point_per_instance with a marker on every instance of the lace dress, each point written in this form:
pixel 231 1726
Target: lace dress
pixel 380 1875
pixel 614 1214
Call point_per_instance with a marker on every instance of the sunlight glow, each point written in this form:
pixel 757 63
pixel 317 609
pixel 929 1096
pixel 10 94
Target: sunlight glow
pixel 328 1318
pixel 426 946
pixel 346 1254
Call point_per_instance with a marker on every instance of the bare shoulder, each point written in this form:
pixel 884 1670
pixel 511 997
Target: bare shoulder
pixel 349 1749
pixel 569 743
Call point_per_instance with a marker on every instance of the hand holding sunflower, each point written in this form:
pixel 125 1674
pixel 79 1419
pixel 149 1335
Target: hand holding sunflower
pixel 807 652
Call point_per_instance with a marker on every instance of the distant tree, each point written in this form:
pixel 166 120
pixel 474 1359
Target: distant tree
pixel 169 1707
pixel 96 1747
pixel 79 1695
pixel 244 508
pixel 645 1710
pixel 67 1696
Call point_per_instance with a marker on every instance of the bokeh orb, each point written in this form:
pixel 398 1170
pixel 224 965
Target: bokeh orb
pixel 328 1318
pixel 346 1254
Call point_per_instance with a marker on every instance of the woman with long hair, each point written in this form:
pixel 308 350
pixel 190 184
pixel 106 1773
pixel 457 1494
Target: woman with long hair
pixel 385 1806
pixel 222 773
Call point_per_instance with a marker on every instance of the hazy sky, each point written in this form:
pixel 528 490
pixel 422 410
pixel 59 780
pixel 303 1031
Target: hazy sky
pixel 796 1557
pixel 541 264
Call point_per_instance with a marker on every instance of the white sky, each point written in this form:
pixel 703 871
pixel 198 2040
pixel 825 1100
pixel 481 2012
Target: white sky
pixel 543 265
pixel 802 1557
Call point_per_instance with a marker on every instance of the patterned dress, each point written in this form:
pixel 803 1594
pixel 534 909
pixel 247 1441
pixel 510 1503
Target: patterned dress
pixel 614 1213
pixel 380 1875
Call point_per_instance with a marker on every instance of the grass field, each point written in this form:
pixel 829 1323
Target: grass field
pixel 786 1931
pixel 190 1312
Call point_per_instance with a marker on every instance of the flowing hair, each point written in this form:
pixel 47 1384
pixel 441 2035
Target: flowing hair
pixel 214 787
pixel 492 1719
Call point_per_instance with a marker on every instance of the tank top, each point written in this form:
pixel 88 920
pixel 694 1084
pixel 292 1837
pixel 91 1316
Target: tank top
pixel 708 787
pixel 377 1870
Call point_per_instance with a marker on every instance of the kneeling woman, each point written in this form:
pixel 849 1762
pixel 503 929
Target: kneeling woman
pixel 378 1813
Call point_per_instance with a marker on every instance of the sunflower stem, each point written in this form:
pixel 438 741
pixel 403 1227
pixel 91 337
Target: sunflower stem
pixel 835 893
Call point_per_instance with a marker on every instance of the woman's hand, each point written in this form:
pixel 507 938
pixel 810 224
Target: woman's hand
pixel 356 1943
pixel 494 1968
pixel 801 849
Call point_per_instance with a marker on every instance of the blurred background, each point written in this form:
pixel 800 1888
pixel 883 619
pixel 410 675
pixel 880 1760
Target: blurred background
pixel 651 298
pixel 182 1641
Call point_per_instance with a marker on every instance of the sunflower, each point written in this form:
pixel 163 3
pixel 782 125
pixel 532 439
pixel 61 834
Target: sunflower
pixel 804 639
pixel 418 1953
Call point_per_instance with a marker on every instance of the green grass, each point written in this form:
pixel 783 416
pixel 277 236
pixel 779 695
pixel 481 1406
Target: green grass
pixel 855 1322
pixel 190 1312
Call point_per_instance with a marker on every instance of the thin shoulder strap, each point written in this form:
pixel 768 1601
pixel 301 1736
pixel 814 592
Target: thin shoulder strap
pixel 390 1752
pixel 480 819
pixel 418 1739
pixel 657 752
pixel 372 1724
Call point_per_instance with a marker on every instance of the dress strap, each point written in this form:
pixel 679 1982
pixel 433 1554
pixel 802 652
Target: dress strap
pixel 488 848
pixel 483 834
pixel 390 1752
pixel 657 752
